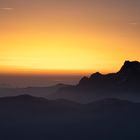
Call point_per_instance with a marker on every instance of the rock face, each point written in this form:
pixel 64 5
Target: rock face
pixel 124 84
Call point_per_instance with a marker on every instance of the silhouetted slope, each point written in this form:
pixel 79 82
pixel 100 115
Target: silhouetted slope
pixel 31 118
pixel 26 105
pixel 124 84
pixel 30 104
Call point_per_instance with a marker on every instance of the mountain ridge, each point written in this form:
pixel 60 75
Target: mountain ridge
pixel 123 84
pixel 38 119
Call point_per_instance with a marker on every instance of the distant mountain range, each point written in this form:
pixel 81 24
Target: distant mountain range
pixel 125 84
pixel 35 91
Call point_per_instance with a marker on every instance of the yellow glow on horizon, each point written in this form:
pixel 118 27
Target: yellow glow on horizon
pixel 66 38
pixel 62 54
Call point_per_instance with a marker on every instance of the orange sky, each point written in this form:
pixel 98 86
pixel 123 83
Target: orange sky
pixel 68 36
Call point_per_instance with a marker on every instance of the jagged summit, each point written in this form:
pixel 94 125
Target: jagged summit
pixel 130 70
pixel 131 64
pixel 130 67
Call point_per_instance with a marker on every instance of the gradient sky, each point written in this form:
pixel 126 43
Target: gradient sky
pixel 68 36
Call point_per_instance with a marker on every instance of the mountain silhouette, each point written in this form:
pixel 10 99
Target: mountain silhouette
pixel 32 118
pixel 124 84
pixel 25 105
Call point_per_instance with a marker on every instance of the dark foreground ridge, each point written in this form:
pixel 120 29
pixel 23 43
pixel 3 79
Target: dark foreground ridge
pixel 31 118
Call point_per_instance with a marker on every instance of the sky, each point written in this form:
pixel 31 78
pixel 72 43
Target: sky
pixel 68 36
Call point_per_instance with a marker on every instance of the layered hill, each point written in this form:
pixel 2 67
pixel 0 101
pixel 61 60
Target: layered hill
pixel 32 118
